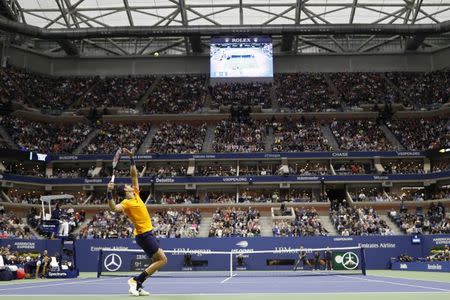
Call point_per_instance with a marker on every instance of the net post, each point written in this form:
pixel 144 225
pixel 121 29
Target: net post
pixel 363 261
pixel 231 264
pixel 99 266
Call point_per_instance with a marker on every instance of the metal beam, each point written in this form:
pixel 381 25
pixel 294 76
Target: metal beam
pixel 387 41
pixel 416 11
pixel 6 11
pixel 176 43
pixel 70 9
pixel 184 21
pixel 312 43
pixel 352 13
pixel 298 14
pixel 241 13
pixel 279 15
pixel 148 31
pixel 130 17
pixel 103 48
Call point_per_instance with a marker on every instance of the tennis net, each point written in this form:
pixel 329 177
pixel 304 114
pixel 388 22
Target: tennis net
pixel 203 262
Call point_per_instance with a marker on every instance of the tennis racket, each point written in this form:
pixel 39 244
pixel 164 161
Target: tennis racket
pixel 114 163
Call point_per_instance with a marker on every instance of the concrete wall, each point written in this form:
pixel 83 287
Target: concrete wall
pixel 59 66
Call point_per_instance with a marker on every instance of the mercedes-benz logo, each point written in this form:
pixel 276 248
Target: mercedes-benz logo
pixel 112 262
pixel 350 261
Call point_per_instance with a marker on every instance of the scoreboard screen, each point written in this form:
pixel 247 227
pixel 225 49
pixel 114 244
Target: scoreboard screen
pixel 233 57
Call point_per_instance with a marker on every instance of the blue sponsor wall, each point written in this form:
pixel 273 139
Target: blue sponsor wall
pixel 438 266
pixel 379 249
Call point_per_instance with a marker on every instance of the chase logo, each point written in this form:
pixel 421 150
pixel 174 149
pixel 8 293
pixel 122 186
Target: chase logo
pixel 242 244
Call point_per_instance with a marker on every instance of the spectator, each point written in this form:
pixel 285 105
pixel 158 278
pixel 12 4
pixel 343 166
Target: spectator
pixel 178 138
pixel 177 94
pixel 230 222
pixel 304 135
pixel 305 92
pixel 245 94
pixel 231 136
pixel 359 135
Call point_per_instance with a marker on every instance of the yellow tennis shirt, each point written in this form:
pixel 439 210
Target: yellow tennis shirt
pixel 136 210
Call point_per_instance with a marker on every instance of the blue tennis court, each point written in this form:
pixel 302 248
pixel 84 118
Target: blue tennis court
pixel 250 287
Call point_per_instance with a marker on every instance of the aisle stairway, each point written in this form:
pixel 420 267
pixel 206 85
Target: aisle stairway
pixel 270 138
pixel 266 226
pixel 7 138
pixel 391 225
pixel 209 138
pixel 87 141
pixel 204 226
pixel 328 134
pixel 144 97
pixel 328 225
pixel 391 137
pixel 148 140
pixel 273 99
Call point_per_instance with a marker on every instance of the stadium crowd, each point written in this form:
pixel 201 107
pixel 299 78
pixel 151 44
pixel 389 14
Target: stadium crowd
pixel 358 135
pixel 216 170
pixel 13 227
pixel 166 170
pixel 357 221
pixel 176 223
pixel 229 222
pixel 111 136
pixel 356 89
pixel 302 135
pixel 404 167
pixel 41 91
pixel 421 134
pixel 59 138
pixel 422 90
pixel 178 198
pixel 123 92
pixel 167 224
pixel 230 136
pixel 305 92
pixel 305 223
pixel 178 138
pixel 433 221
pixel 254 93
pixel 177 94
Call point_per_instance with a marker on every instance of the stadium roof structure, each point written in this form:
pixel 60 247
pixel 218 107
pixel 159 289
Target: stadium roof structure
pixel 184 27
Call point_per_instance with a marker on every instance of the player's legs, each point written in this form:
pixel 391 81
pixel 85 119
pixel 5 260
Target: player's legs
pixel 159 261
pixel 150 245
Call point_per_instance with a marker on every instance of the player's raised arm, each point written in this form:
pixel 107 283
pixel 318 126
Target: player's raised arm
pixel 133 169
pixel 112 205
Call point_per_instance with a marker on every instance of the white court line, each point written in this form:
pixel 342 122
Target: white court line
pixel 406 278
pixel 226 279
pixel 230 294
pixel 53 284
pixel 397 283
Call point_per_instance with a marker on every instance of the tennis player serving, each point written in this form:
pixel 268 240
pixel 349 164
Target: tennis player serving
pixel 135 209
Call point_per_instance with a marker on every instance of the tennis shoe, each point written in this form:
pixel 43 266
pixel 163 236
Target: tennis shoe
pixel 133 287
pixel 143 292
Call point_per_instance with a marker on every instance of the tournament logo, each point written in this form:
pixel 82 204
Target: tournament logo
pixel 112 262
pixel 242 244
pixel 348 260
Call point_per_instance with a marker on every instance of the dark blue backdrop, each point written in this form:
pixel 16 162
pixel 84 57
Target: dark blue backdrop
pixel 379 249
